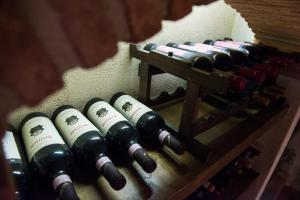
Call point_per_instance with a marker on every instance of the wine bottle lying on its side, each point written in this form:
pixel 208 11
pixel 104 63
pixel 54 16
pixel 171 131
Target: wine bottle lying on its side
pixel 150 124
pixel 48 154
pixel 197 60
pixel 239 58
pixel 87 143
pixel 14 154
pixel 221 60
pixel 254 52
pixel 121 136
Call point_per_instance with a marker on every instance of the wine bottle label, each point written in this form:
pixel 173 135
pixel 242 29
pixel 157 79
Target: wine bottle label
pixel 176 52
pixel 39 132
pixel 61 179
pixel 72 124
pixel 104 116
pixel 10 148
pixel 132 109
pixel 228 44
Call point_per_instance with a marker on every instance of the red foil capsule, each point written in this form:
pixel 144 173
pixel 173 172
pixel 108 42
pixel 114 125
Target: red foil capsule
pixel 237 83
pixel 271 71
pixel 257 76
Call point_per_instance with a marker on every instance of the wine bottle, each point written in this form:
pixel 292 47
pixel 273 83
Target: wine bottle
pixel 13 153
pixel 150 125
pixel 221 60
pixel 209 186
pixel 48 154
pixel 271 71
pixel 258 77
pixel 197 60
pixel 238 58
pixel 254 52
pixel 87 143
pixel 120 134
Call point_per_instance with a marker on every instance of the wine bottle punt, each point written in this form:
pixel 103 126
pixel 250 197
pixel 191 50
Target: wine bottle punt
pixel 221 60
pixel 150 125
pixel 121 136
pixel 87 143
pixel 197 60
pixel 48 154
pixel 14 155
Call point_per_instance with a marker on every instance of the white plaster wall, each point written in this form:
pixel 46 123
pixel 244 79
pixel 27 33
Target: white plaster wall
pixel 120 73
pixel 241 31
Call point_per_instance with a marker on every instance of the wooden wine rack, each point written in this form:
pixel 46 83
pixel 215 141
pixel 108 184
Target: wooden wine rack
pixel 198 81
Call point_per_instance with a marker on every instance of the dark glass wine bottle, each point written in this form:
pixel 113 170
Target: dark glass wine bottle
pixel 48 154
pixel 14 154
pixel 221 60
pixel 254 52
pixel 121 136
pixel 150 125
pixel 87 143
pixel 239 58
pixel 271 71
pixel 197 60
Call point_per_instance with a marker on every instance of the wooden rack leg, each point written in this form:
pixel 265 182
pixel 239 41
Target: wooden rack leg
pixel 145 82
pixel 189 116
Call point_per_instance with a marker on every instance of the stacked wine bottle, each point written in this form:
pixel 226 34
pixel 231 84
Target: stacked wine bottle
pixel 106 132
pixel 251 73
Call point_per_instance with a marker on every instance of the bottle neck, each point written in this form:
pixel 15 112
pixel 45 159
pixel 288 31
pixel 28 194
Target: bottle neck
pixel 133 148
pixel 60 179
pixel 162 135
pixel 102 161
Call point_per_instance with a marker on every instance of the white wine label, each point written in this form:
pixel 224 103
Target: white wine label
pixel 39 132
pixel 10 148
pixel 61 179
pixel 176 52
pixel 132 109
pixel 101 162
pixel 228 44
pixel 71 124
pixel 104 116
